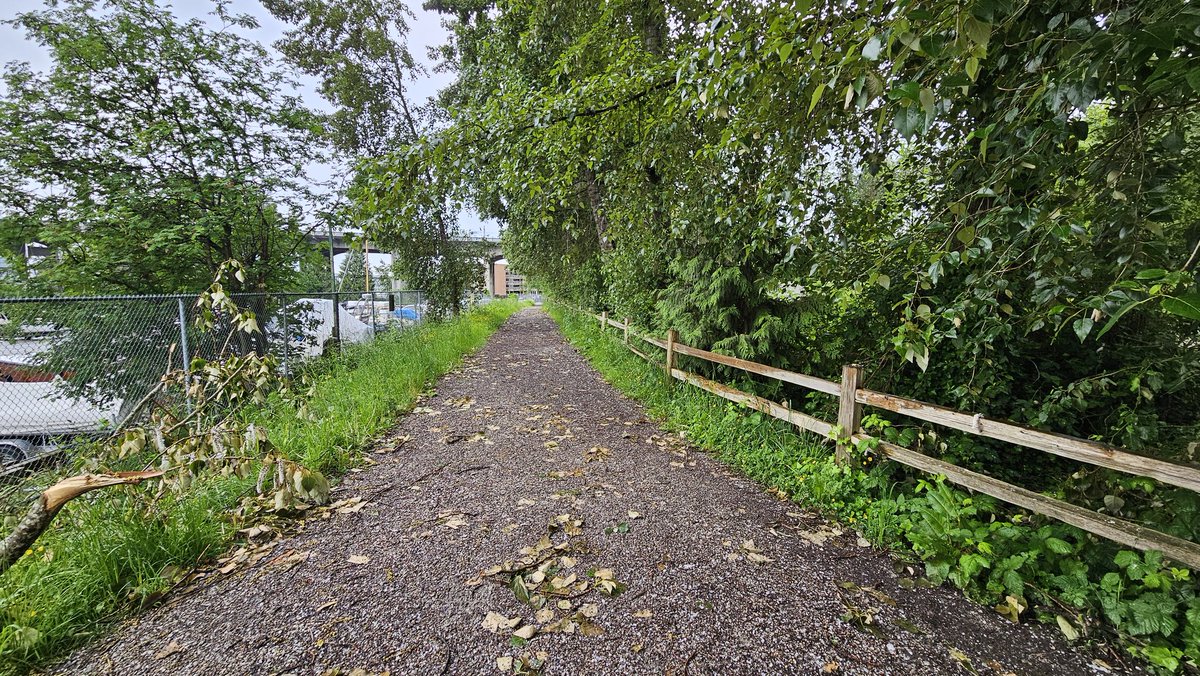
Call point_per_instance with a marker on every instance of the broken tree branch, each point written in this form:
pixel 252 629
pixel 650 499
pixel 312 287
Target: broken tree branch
pixel 48 504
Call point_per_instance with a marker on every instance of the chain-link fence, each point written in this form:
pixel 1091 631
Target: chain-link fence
pixel 74 368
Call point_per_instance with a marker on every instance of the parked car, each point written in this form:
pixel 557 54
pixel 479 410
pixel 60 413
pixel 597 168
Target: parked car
pixel 34 411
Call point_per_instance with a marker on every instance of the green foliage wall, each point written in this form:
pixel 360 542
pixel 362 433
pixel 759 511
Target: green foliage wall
pixel 988 204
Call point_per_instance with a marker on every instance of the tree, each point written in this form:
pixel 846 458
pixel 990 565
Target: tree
pixel 381 277
pixel 152 151
pixel 357 50
pixel 352 278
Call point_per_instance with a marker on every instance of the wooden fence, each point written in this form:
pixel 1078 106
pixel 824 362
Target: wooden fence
pixel 852 397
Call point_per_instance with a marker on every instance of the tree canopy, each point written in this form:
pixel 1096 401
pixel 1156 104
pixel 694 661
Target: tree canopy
pixel 358 51
pixel 152 151
pixel 988 203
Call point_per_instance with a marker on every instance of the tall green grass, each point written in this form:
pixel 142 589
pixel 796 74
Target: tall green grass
pixel 106 555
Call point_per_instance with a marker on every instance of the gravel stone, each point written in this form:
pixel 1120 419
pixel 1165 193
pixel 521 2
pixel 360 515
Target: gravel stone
pixel 504 446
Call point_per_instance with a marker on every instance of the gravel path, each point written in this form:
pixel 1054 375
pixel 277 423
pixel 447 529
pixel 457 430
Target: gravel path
pixel 527 464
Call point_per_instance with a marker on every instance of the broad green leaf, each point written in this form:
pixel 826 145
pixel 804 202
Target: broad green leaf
pixel 1083 326
pixel 1184 305
pixel 973 68
pixel 785 51
pixel 927 100
pixel 871 50
pixel 816 96
pixel 966 235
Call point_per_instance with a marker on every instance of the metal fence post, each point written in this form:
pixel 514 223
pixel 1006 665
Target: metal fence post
pixel 183 351
pixel 337 321
pixel 374 326
pixel 283 314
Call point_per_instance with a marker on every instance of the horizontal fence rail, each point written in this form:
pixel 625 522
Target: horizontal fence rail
pixel 851 398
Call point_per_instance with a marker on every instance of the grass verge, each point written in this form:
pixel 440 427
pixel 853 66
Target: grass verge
pixel 104 558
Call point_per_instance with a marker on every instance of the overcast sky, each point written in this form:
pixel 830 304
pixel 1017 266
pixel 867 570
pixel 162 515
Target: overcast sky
pixel 424 31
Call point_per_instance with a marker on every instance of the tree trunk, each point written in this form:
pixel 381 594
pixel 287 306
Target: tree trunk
pixel 592 189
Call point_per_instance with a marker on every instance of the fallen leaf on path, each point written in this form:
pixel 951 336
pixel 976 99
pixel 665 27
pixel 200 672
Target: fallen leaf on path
pixel 634 515
pixel 643 613
pixel 597 453
pixel 544 615
pixel 172 648
pixel 908 626
pixel 359 559
pixel 289 558
pixel 327 605
pixel 349 506
pixel 1067 628
pixel 526 632
pixel 962 658
pixel 494 622
pixel 257 531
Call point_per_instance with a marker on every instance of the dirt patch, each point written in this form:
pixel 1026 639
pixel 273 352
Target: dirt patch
pixel 529 516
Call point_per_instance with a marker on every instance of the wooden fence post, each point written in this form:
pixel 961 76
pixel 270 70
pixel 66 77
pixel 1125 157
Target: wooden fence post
pixel 672 336
pixel 627 330
pixel 604 322
pixel 849 411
